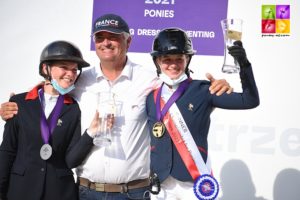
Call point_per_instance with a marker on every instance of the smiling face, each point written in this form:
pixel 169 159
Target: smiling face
pixel 64 72
pixel 173 65
pixel 111 47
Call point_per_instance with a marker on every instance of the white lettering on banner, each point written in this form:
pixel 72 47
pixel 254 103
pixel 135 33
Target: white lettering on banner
pixel 159 13
pixel 131 31
pixel 165 2
pixel 147 32
pixel 192 34
pixel 201 34
pixel 263 141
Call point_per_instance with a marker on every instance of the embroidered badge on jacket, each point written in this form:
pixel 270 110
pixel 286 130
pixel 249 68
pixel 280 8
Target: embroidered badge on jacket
pixel 191 106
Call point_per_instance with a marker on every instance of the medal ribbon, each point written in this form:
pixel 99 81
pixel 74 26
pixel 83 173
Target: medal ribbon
pixel 47 128
pixel 180 90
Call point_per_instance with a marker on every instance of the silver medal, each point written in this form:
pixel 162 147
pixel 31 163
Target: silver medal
pixel 46 151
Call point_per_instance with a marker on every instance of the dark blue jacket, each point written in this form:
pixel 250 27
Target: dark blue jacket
pixel 165 159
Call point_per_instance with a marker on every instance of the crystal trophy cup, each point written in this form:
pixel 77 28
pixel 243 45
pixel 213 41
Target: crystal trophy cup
pixel 107 111
pixel 232 31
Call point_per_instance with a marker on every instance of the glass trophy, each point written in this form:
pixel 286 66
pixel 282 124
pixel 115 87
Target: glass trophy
pixel 232 31
pixel 107 111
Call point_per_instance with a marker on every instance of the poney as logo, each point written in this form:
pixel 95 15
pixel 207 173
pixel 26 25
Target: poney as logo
pixel 275 20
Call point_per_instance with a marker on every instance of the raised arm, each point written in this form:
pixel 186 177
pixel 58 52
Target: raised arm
pixel 249 98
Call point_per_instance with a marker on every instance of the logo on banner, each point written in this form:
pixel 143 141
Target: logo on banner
pixel 275 20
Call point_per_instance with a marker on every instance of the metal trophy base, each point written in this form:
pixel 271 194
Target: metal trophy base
pixel 102 142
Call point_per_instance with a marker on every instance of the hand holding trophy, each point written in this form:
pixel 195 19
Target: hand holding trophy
pixel 232 32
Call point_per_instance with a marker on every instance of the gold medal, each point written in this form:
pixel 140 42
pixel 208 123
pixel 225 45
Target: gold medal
pixel 158 129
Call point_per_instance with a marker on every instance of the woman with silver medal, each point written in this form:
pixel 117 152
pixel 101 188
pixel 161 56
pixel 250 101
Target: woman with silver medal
pixel 38 148
pixel 179 117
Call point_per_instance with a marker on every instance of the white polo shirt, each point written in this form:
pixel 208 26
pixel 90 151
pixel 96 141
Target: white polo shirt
pixel 128 157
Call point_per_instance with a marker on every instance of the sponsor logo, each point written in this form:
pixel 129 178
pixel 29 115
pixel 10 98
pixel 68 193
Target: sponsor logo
pixel 275 20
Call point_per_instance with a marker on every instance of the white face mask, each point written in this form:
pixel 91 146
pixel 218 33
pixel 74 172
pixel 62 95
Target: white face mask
pixel 172 82
pixel 59 89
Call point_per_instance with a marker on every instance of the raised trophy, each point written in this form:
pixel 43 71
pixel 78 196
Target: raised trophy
pixel 232 31
pixel 107 111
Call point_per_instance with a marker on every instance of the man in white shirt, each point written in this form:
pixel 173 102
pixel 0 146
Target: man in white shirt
pixel 127 160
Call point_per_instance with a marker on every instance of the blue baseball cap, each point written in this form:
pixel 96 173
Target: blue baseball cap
pixel 110 23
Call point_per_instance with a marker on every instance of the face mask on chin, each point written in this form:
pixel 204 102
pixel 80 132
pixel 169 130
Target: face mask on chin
pixel 172 82
pixel 61 90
